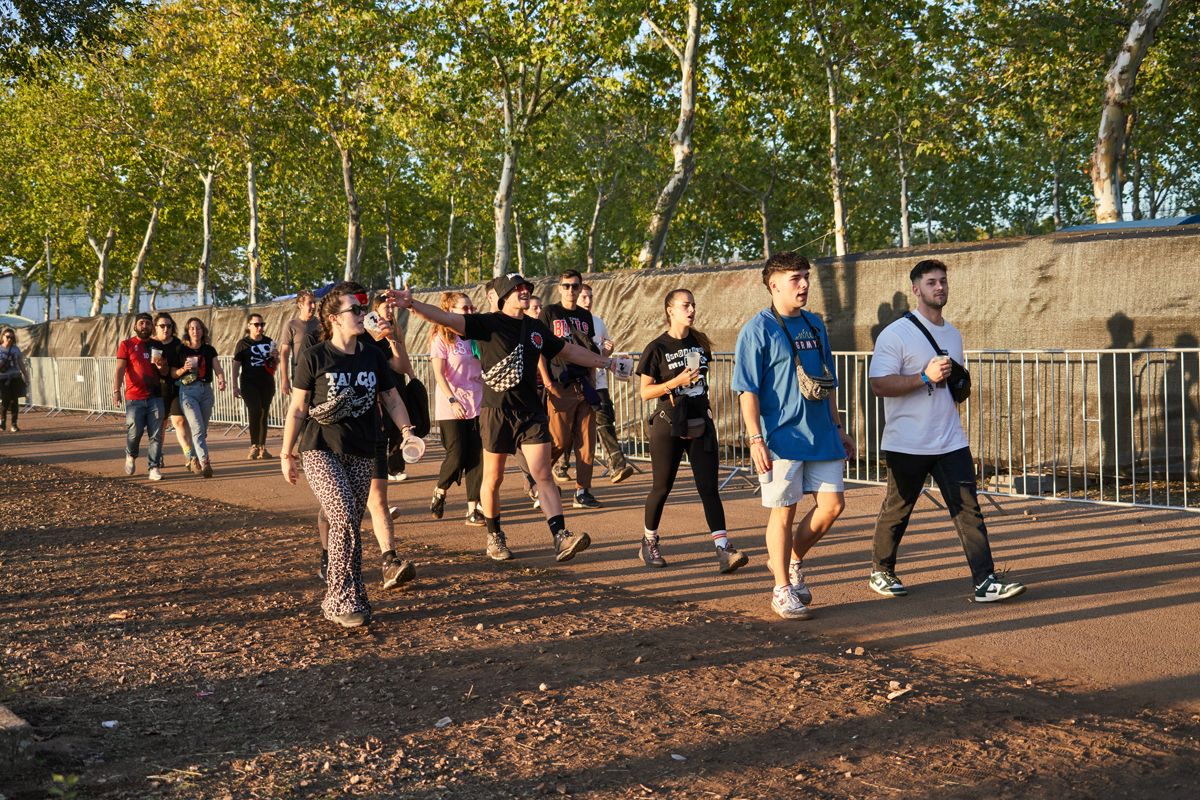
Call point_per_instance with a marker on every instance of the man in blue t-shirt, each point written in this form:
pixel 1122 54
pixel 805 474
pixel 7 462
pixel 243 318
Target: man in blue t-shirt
pixel 796 439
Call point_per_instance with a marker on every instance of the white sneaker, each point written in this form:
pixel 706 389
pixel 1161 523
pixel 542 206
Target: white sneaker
pixel 155 474
pixel 796 578
pixel 129 465
pixel 787 605
pixel 396 477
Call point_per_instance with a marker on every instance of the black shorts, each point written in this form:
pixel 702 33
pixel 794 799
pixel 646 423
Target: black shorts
pixel 505 431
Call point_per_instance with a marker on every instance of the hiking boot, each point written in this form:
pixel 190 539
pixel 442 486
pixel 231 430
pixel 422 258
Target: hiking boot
pixel 650 554
pixel 886 583
pixel 621 474
pixel 253 455
pixel 497 547
pixel 475 519
pixel 206 470
pixel 730 560
pixel 786 604
pixel 584 499
pixel 994 589
pixel 355 619
pixel 195 466
pixel 567 544
pixel 437 506
pixel 155 474
pixel 561 474
pixel 130 465
pixel 323 570
pixel 796 579
pixel 397 572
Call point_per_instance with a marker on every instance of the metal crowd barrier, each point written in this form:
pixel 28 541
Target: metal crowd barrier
pixel 1097 426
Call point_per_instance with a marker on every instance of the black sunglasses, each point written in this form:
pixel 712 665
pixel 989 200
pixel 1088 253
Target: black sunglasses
pixel 571 286
pixel 354 308
pixel 257 324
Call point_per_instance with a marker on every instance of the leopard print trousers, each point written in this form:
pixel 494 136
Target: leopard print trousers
pixel 341 484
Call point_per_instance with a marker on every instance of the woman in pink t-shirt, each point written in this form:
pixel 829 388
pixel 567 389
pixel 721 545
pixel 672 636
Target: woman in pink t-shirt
pixel 459 392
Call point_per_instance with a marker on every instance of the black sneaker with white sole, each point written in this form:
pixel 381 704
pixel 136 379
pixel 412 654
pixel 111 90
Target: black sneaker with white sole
pixel 475 519
pixel 584 499
pixel 887 584
pixel 994 589
pixel 437 506
pixel 397 572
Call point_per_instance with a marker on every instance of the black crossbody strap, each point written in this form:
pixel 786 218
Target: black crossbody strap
pixel 812 328
pixel 908 315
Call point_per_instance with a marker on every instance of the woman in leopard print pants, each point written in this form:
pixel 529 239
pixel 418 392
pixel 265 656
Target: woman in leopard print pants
pixel 336 385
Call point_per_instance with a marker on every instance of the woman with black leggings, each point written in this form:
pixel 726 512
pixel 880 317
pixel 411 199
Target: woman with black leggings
pixel 674 371
pixel 254 361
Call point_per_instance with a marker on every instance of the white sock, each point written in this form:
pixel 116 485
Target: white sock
pixel 651 535
pixel 720 538
pixel 471 506
pixel 439 492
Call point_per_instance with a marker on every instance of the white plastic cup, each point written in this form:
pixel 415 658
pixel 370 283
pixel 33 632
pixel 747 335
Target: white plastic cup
pixel 155 354
pixel 193 363
pixel 623 367
pixel 692 360
pixel 412 449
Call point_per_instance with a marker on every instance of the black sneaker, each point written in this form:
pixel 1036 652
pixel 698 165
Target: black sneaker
pixel 475 519
pixel 584 499
pixel 497 547
pixel 323 570
pixel 437 506
pixel 994 589
pixel 567 545
pixel 621 474
pixel 887 584
pixel 650 554
pixel 561 474
pixel 730 560
pixel 397 572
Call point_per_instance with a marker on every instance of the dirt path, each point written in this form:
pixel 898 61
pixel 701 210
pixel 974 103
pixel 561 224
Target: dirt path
pixel 196 631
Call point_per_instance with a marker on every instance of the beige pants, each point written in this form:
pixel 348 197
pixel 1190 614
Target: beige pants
pixel 573 427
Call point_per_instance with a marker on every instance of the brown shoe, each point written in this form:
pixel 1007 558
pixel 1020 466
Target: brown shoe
pixel 206 470
pixel 253 454
pixel 195 466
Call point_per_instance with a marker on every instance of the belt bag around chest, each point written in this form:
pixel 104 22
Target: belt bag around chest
pixel 959 382
pixel 812 388
pixel 506 373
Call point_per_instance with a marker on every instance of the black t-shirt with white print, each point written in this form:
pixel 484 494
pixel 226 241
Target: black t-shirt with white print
pixel 664 358
pixel 571 325
pixel 258 367
pixel 509 362
pixel 344 388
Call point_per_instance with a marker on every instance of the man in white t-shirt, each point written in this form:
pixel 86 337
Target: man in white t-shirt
pixel 923 436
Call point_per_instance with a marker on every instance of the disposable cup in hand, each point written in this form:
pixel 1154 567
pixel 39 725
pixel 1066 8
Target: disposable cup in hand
pixel 623 367
pixel 692 360
pixel 193 363
pixel 413 449
pixel 374 324
pixel 155 354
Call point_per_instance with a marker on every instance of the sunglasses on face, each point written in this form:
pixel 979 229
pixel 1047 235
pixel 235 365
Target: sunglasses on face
pixel 257 324
pixel 164 325
pixel 571 287
pixel 355 309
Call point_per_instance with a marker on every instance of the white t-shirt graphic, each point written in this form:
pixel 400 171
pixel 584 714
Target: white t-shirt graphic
pixel 918 423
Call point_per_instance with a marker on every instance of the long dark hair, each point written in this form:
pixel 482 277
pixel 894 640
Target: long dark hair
pixel 700 337
pixel 331 301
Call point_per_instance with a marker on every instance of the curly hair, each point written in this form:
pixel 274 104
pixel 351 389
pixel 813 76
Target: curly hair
pixel 449 300
pixel 331 301
pixel 787 261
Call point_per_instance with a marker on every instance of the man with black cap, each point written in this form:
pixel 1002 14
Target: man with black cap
pixel 510 344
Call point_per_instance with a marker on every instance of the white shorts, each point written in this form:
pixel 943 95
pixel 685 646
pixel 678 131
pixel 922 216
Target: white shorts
pixel 786 482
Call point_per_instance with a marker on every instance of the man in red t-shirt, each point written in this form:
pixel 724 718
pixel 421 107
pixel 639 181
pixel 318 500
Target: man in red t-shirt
pixel 136 365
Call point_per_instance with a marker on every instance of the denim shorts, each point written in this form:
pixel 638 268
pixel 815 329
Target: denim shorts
pixel 786 482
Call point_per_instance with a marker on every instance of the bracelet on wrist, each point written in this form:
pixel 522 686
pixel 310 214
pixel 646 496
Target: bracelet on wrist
pixel 758 437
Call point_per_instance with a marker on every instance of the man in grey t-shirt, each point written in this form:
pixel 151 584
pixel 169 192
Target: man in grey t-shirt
pixel 298 328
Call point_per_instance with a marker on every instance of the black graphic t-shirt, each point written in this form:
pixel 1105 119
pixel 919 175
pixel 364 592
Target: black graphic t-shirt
pixel 575 326
pixel 203 372
pixel 344 388
pixel 170 351
pixel 666 357
pixel 258 367
pixel 509 360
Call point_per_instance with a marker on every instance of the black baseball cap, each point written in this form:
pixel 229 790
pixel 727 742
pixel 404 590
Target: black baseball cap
pixel 505 285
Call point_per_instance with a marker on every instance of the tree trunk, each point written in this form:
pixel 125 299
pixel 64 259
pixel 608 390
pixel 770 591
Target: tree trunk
pixel 154 297
pixel 602 195
pixel 681 147
pixel 1119 85
pixel 764 216
pixel 26 280
pixel 283 255
pixel 905 224
pixel 353 217
pixel 388 244
pixel 254 263
pixel 1057 197
pixel 206 246
pixel 135 278
pixel 835 160
pixel 1135 194
pixel 102 254
pixel 49 278
pixel 449 242
pixel 502 210
pixel 519 242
